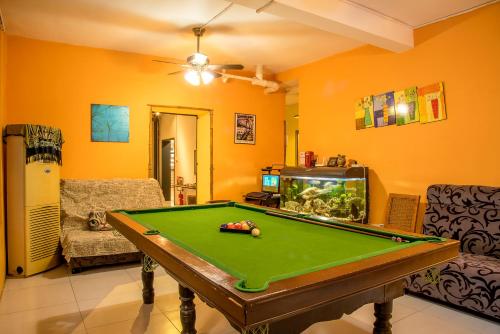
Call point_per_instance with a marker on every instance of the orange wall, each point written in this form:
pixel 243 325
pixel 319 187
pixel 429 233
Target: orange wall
pixel 464 53
pixel 3 260
pixel 51 83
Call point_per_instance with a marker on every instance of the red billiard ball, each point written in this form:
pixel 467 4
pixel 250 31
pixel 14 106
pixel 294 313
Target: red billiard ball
pixel 230 226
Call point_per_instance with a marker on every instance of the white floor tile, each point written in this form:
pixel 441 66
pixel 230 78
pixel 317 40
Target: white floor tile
pixel 109 300
pixel 491 327
pixel 36 297
pixel 208 320
pixel 415 303
pixel 64 318
pixel 168 302
pixel 105 315
pixel 365 313
pixel 423 323
pixel 54 276
pixel 98 273
pixel 346 325
pixel 460 319
pixel 155 324
pixel 104 287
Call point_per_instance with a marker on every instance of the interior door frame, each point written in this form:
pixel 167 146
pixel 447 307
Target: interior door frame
pixel 156 110
pixel 172 180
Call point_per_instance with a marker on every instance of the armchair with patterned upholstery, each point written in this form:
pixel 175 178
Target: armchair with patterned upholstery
pixel 83 247
pixel 471 282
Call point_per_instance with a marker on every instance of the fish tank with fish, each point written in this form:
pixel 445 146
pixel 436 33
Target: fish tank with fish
pixel 333 193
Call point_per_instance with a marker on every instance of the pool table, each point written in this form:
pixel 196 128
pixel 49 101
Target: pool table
pixel 299 271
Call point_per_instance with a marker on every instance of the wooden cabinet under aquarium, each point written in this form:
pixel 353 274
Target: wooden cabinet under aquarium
pixel 332 192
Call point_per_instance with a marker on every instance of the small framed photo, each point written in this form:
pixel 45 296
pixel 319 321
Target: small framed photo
pixel 244 129
pixel 332 162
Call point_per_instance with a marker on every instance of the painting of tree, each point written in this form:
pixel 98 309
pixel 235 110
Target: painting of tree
pixel 110 123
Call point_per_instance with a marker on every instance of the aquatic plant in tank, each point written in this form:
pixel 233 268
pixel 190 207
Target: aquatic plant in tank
pixel 330 197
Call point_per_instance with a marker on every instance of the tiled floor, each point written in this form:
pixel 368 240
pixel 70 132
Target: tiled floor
pixel 108 300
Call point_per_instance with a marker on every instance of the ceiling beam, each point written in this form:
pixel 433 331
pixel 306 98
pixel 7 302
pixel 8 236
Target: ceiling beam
pixel 342 18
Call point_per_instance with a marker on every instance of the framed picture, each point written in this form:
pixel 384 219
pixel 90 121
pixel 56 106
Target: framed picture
pixel 363 113
pixel 332 162
pixel 110 123
pixel 431 103
pixel 383 109
pixel 406 106
pixel 244 129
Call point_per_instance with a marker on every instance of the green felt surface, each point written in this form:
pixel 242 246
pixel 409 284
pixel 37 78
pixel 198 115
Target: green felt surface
pixel 286 247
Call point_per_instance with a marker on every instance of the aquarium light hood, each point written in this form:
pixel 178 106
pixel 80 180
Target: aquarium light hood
pixel 321 178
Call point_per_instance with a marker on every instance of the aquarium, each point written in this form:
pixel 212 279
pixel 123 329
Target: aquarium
pixel 329 192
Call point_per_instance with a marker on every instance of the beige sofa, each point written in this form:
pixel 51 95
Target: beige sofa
pixel 83 247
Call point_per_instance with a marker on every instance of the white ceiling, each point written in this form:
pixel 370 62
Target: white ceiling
pixel 417 13
pixel 163 27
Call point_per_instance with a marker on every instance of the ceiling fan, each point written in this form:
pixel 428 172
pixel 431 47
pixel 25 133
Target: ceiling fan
pixel 197 68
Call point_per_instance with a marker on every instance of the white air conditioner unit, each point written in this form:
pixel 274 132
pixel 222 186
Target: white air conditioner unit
pixel 33 209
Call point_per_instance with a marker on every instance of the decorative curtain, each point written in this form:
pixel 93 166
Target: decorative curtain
pixel 43 143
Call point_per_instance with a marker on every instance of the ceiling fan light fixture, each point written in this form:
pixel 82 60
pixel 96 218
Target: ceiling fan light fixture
pixel 198 59
pixel 192 77
pixel 207 77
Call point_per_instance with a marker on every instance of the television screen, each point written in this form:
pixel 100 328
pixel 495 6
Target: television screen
pixel 271 183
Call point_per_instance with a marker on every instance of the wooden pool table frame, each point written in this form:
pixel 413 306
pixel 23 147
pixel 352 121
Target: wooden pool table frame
pixel 289 305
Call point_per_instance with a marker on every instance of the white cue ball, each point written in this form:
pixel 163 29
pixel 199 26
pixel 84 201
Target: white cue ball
pixel 255 232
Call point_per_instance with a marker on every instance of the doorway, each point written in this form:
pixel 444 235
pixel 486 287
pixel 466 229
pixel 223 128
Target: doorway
pixel 181 153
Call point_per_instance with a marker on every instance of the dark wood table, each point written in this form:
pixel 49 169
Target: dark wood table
pixel 289 305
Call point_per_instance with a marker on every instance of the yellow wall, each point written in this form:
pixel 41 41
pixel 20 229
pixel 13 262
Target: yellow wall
pixel 292 124
pixel 52 83
pixel 3 258
pixel 464 53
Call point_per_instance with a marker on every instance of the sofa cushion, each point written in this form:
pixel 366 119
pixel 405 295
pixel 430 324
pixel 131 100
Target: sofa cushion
pixel 83 243
pixel 470 281
pixel 470 214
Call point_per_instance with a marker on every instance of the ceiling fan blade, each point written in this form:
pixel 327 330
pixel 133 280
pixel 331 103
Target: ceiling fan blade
pixel 226 67
pixel 167 62
pixel 176 72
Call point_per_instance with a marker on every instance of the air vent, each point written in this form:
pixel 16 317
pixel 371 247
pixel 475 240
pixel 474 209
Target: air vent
pixel 44 229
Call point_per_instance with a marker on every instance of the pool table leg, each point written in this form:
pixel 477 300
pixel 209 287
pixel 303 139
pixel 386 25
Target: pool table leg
pixel 147 275
pixel 187 310
pixel 383 314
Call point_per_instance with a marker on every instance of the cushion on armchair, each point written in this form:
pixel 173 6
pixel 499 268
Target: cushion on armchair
pixel 81 243
pixel 469 281
pixel 470 214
